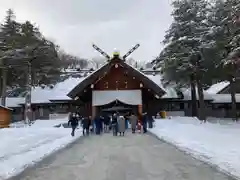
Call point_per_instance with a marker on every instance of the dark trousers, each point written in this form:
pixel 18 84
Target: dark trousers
pixel 144 128
pixel 150 124
pixel 98 129
pixel 133 130
pixel 86 129
pixel 73 130
pixel 114 129
pixel 101 127
pixel 106 128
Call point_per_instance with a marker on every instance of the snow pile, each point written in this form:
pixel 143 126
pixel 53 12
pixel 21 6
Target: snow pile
pixel 40 123
pixel 215 144
pixel 22 147
pixel 49 123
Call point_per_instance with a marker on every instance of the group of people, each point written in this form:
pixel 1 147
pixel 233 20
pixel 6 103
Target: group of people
pixel 116 122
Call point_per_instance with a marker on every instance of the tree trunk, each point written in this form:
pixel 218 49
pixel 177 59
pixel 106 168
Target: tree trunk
pixel 202 113
pixel 4 87
pixel 28 105
pixel 193 96
pixel 233 98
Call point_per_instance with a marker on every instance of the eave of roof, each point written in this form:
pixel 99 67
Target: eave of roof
pixel 93 76
pixel 4 107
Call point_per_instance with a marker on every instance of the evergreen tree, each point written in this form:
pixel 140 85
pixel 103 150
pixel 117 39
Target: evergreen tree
pixel 9 41
pixel 21 45
pixel 183 57
pixel 207 32
pixel 226 33
pixel 183 39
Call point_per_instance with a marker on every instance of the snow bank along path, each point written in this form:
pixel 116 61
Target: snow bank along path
pixel 21 147
pixel 131 157
pixel 213 143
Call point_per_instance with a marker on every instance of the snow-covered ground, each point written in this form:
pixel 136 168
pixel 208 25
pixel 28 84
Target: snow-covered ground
pixel 40 123
pixel 24 146
pixel 216 144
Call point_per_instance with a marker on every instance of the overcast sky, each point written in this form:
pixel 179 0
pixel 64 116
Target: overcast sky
pixel 76 24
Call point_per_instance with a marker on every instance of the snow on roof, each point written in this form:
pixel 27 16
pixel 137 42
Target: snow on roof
pixel 58 92
pixel 157 79
pixel 63 88
pixel 41 95
pixel 216 88
pixel 187 94
pixel 14 101
pixel 225 98
pixel 4 107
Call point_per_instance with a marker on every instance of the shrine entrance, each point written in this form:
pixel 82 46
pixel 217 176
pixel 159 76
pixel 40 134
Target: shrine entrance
pixel 117 106
pixel 122 101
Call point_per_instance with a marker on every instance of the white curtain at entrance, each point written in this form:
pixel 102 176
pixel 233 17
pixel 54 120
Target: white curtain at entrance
pixel 131 97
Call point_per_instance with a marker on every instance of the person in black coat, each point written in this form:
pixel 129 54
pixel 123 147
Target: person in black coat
pixel 73 120
pixel 144 122
pixel 101 123
pixel 106 123
pixel 150 121
pixel 98 125
pixel 86 122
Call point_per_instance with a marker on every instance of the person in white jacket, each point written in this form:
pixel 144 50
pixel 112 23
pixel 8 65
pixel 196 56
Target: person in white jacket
pixel 121 125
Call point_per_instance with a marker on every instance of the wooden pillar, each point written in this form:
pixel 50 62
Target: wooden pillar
pixel 140 112
pixel 94 109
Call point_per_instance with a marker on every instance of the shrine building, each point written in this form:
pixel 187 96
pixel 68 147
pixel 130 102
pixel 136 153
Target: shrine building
pixel 116 84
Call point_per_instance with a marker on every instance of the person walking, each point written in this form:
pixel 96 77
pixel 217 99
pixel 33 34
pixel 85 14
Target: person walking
pixel 133 120
pixel 121 125
pixel 114 124
pixel 126 117
pixel 74 123
pixel 106 123
pixel 98 125
pixel 144 122
pixel 150 121
pixel 86 122
pixel 101 123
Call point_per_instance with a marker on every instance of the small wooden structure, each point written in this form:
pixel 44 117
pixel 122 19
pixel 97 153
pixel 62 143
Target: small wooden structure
pixel 5 116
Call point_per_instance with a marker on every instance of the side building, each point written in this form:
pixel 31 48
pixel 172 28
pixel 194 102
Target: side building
pixel 118 85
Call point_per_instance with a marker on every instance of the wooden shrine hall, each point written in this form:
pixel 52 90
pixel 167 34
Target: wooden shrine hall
pixel 116 83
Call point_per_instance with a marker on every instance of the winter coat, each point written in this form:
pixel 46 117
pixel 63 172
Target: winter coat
pixel 133 121
pixel 73 121
pixel 121 124
pixel 86 122
pixel 107 120
pixel 114 120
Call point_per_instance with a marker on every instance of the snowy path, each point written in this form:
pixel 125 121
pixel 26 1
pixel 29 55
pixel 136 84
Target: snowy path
pixel 131 157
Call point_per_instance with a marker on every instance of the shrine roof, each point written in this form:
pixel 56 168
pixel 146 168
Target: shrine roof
pixel 105 68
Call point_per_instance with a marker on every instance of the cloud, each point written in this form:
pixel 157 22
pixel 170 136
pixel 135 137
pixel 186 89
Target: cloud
pixel 76 24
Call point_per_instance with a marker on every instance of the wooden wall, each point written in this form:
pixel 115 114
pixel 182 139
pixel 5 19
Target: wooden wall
pixel 5 117
pixel 117 79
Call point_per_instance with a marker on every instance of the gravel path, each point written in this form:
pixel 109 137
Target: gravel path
pixel 133 157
